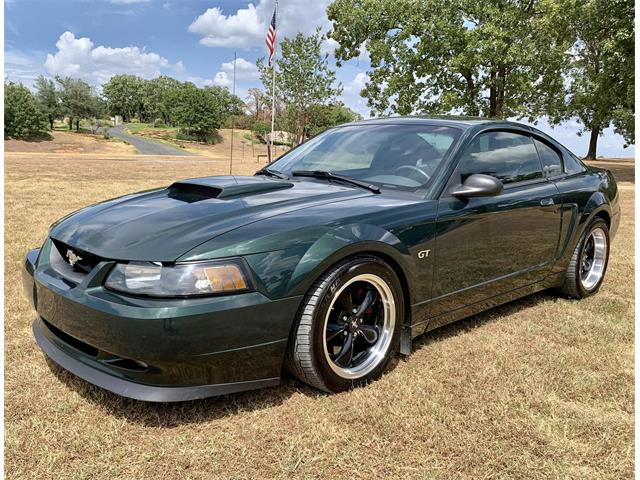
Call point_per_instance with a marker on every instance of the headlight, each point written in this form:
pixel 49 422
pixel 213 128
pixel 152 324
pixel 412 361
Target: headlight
pixel 179 280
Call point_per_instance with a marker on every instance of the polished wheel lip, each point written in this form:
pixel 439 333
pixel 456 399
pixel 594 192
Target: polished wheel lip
pixel 594 259
pixel 380 348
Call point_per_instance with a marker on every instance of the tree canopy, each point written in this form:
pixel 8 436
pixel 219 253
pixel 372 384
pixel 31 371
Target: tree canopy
pixel 124 95
pixel 327 116
pixel 48 99
pixel 303 80
pixel 22 115
pixel 601 69
pixel 497 58
pixel 197 111
pixel 78 100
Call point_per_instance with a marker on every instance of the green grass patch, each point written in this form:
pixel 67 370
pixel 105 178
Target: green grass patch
pixel 136 128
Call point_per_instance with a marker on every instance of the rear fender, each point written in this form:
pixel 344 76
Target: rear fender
pixel 596 204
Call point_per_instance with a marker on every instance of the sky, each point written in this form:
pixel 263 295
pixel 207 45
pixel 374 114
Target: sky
pixel 191 40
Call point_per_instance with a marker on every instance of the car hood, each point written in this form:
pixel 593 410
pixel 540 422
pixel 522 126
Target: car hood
pixel 162 225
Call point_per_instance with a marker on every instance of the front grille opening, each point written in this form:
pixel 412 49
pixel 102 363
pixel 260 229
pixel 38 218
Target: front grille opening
pixel 84 261
pixel 72 341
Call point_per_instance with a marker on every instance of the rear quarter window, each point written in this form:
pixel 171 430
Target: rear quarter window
pixel 572 164
pixel 551 162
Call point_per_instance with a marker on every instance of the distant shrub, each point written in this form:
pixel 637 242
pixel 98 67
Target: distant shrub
pixel 22 117
pixel 260 130
pixel 210 138
pixel 104 122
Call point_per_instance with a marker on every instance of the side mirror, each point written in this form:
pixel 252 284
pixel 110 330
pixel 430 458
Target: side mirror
pixel 478 185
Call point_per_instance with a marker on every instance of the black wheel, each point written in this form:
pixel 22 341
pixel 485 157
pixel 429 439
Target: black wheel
pixel 348 327
pixel 588 264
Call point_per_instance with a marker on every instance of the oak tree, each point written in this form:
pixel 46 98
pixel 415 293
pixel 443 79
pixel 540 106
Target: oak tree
pixel 497 58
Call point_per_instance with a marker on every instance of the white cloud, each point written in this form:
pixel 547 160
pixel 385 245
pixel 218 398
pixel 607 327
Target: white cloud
pixel 200 82
pixel 328 46
pixel 77 57
pixel 222 79
pixel 241 29
pixel 351 94
pixel 355 86
pixel 128 2
pixel 245 70
pixel 247 27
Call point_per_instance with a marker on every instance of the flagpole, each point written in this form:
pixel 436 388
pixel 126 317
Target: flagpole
pixel 232 116
pixel 273 90
pixel 273 108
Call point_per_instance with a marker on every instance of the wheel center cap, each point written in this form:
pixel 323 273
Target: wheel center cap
pixel 354 325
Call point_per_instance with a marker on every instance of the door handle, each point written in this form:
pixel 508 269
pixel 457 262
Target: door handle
pixel 547 202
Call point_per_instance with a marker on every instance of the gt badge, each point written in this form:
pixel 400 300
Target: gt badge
pixel 72 257
pixel 423 253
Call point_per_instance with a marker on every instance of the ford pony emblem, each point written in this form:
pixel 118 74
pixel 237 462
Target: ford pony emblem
pixel 72 257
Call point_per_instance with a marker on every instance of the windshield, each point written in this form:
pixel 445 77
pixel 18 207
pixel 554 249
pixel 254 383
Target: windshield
pixel 399 156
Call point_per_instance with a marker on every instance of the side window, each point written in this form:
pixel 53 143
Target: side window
pixel 510 157
pixel 551 162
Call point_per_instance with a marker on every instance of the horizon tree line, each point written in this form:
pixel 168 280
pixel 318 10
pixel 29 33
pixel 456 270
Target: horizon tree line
pixel 554 59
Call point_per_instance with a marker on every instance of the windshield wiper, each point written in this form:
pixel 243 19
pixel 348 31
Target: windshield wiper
pixel 271 173
pixel 333 176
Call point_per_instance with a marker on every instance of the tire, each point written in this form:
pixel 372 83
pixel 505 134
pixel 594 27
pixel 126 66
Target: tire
pixel 317 352
pixel 577 283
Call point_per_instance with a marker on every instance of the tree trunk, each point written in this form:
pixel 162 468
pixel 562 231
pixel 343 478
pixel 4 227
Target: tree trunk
pixel 500 87
pixel 70 123
pixel 593 142
pixel 77 125
pixel 51 123
pixel 471 93
pixel 492 94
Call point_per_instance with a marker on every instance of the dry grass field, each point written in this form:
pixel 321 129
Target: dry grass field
pixel 539 388
pixel 70 142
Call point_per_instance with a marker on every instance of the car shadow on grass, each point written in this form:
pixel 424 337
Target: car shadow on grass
pixel 171 415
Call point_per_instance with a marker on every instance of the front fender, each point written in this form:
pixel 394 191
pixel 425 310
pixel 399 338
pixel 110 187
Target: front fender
pixel 341 243
pixel 292 270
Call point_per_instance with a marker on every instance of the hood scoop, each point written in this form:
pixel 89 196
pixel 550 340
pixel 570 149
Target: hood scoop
pixel 223 188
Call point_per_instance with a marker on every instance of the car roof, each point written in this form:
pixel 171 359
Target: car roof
pixel 459 121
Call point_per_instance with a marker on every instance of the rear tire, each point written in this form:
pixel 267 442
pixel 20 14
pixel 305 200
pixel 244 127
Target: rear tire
pixel 348 326
pixel 589 261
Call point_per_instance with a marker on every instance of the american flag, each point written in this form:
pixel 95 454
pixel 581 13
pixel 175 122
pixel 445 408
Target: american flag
pixel 271 35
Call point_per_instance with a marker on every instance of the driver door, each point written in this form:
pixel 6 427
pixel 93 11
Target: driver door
pixel 486 246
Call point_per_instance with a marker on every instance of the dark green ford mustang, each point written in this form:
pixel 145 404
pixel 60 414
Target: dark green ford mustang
pixel 326 263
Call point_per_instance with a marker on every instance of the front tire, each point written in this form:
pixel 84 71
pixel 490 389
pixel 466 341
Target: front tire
pixel 589 261
pixel 348 327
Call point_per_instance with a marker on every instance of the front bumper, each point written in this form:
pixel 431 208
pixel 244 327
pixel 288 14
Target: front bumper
pixel 157 349
pixel 131 389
